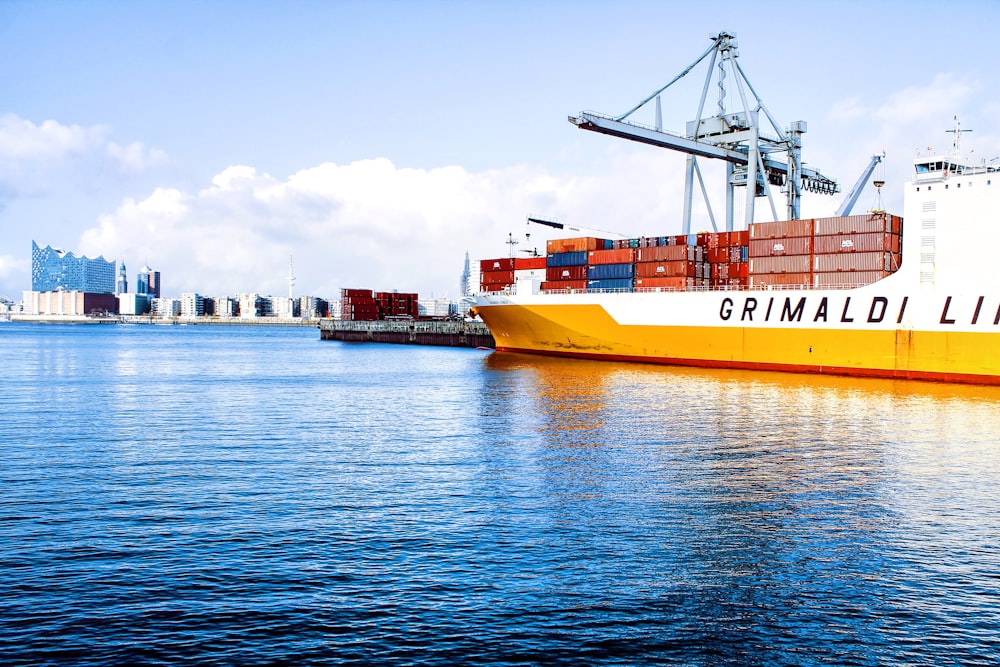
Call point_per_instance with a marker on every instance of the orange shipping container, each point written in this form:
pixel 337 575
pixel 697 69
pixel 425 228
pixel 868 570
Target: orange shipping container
pixel 859 224
pixel 781 264
pixel 856 261
pixel 667 253
pixel 795 245
pixel 781 229
pixel 521 263
pixel 848 278
pixel 665 269
pixel 675 283
pixel 616 256
pixel 871 242
pixel 573 244
pixel 804 279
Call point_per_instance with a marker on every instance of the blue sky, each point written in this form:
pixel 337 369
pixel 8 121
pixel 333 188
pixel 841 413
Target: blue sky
pixel 377 142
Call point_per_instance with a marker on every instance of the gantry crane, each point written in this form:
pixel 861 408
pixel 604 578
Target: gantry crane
pixel 732 136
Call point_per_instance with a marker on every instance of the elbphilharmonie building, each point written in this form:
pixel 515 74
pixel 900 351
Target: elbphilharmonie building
pixel 53 270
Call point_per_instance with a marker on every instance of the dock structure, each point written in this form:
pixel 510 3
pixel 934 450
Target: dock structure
pixel 408 332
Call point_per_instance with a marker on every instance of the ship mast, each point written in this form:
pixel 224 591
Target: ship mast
pixel 733 136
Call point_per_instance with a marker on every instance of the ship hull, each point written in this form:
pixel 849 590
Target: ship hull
pixel 854 332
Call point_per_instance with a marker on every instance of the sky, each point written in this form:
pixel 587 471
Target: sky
pixel 374 144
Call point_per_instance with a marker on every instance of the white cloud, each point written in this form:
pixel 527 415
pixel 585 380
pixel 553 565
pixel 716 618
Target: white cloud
pixel 136 156
pixel 23 140
pixel 365 224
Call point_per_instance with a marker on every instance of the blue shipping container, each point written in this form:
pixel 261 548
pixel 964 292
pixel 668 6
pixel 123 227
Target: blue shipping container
pixel 611 283
pixel 606 271
pixel 573 258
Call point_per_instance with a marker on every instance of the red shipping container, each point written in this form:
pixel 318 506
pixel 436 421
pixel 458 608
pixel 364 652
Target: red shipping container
pixel 848 278
pixel 717 255
pixel 677 282
pixel 871 242
pixel 551 285
pixel 804 279
pixel 665 269
pixel 522 263
pixel 616 256
pixel 781 229
pixel 345 293
pixel 667 253
pixel 500 264
pixel 554 273
pixel 781 264
pixel 795 245
pixel 497 277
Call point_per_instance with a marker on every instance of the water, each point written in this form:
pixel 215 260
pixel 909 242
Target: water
pixel 254 496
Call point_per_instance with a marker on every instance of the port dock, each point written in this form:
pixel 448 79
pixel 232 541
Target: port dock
pixel 408 332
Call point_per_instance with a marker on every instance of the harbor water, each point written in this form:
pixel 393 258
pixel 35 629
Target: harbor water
pixel 254 496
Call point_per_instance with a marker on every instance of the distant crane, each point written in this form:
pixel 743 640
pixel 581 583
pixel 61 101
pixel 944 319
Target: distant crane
pixel 559 225
pixel 734 137
pixel 852 196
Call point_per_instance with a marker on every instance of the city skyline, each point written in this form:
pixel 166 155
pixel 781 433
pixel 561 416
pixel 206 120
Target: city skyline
pixel 379 142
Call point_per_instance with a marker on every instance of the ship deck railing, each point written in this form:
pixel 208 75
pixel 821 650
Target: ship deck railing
pixel 693 288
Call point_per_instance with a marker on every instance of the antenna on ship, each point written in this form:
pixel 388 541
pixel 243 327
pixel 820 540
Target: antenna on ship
pixel 511 241
pixel 956 144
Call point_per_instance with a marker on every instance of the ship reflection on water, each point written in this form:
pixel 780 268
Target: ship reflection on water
pixel 762 513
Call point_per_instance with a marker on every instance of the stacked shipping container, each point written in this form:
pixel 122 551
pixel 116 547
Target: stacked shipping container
pixel 495 275
pixel 363 305
pixel 821 252
pixel 843 251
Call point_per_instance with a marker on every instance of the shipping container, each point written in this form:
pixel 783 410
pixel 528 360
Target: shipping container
pixel 666 254
pixel 856 261
pixel 554 285
pixel 864 242
pixel 859 224
pixel 678 282
pixel 665 269
pixel 794 245
pixel 497 277
pixel 739 238
pixel 781 229
pixel 553 273
pixel 729 270
pixel 572 258
pixel 762 280
pixel 610 271
pixel 583 243
pixel 780 264
pixel 522 263
pixel 346 293
pixel 617 284
pixel 614 256
pixel 848 278
pixel 500 264
pixel 717 255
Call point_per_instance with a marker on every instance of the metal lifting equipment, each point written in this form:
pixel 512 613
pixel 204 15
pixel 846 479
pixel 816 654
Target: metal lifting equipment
pixel 732 136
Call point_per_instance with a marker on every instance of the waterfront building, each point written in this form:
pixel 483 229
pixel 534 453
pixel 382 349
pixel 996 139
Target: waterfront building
pixel 192 304
pixel 54 270
pixel 436 307
pixel 225 306
pixel 250 305
pixel 166 307
pixel 133 304
pixel 68 302
pixel 284 307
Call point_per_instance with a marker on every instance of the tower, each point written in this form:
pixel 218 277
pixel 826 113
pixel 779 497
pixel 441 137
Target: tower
pixel 122 286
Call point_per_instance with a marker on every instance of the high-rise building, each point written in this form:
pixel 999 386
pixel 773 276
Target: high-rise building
pixel 466 275
pixel 53 269
pixel 148 282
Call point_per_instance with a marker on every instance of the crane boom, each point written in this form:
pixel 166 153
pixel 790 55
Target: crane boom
pixel 733 136
pixel 852 196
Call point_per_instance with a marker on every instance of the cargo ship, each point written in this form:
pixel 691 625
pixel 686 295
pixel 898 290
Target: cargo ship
pixel 911 297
